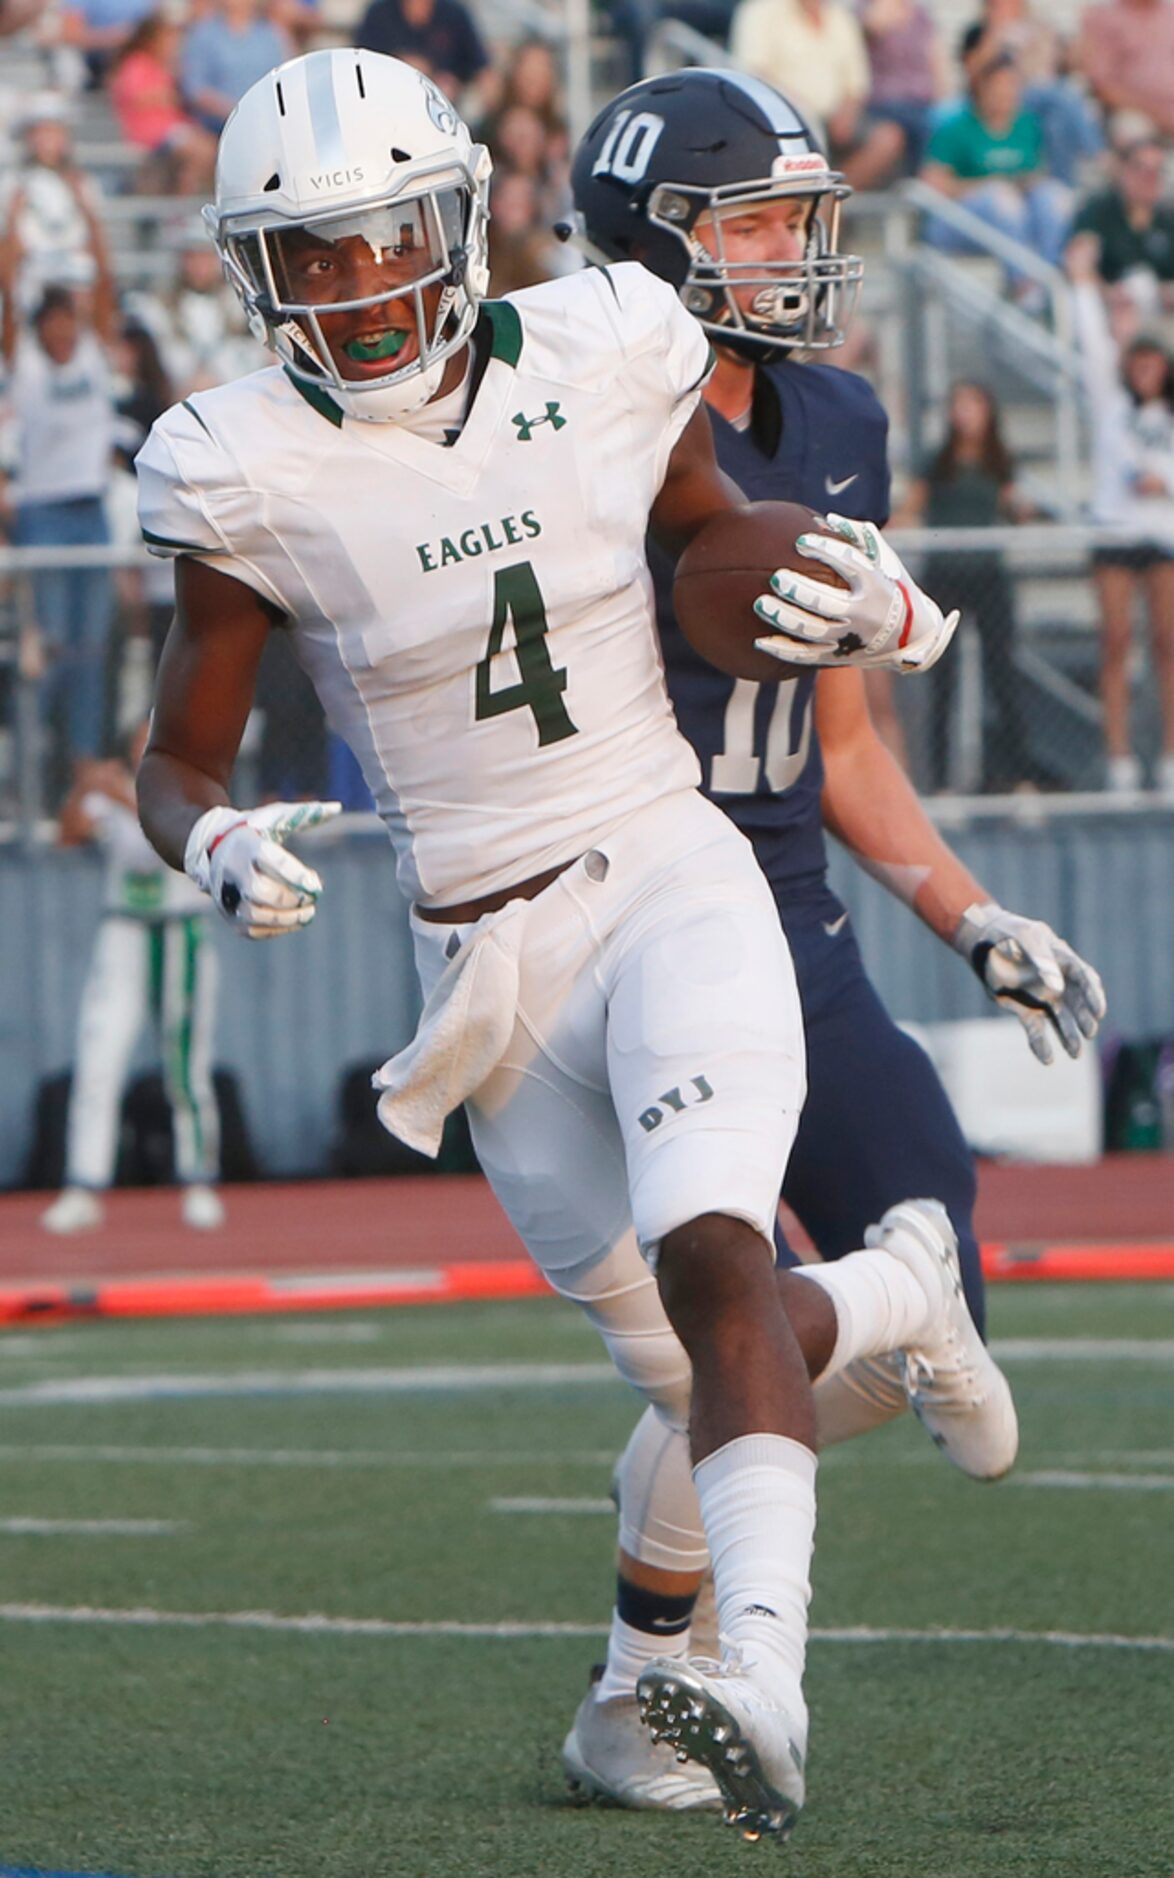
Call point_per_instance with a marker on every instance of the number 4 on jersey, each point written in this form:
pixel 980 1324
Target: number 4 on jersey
pixel 540 687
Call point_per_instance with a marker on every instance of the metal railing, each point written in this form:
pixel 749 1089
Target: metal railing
pixel 1054 653
pixel 1045 351
pixel 671 44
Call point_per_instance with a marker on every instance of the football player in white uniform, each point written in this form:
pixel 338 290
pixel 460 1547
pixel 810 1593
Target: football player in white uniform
pixel 445 503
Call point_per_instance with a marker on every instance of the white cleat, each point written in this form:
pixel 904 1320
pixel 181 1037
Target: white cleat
pixel 76 1209
pixel 715 1714
pixel 202 1207
pixel 608 1755
pixel 955 1388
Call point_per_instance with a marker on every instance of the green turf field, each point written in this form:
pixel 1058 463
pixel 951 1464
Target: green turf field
pixel 155 1750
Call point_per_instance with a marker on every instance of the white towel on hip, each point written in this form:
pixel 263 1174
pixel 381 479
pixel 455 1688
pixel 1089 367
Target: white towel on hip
pixel 462 1034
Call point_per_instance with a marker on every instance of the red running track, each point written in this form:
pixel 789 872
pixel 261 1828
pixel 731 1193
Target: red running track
pixel 411 1235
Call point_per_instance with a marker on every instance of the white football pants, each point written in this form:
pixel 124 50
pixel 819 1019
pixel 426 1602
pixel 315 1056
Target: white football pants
pixel 655 1071
pixel 140 969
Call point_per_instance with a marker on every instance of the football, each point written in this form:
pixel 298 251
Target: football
pixel 723 570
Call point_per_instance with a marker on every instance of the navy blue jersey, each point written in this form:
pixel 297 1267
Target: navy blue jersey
pixel 876 1125
pixel 817 435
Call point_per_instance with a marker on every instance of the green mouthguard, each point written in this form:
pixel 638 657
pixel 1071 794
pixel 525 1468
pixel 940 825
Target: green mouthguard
pixel 385 348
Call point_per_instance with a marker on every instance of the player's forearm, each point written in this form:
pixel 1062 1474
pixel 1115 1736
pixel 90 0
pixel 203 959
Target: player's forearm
pixel 870 805
pixel 172 796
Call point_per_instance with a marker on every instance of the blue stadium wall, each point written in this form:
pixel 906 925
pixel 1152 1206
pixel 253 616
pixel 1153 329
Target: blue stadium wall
pixel 295 1013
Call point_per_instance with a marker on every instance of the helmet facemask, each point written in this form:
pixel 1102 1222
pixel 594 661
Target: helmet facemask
pixel 425 238
pixel 798 305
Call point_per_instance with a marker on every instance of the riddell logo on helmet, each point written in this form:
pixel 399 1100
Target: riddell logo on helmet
pixel 336 179
pixel 797 165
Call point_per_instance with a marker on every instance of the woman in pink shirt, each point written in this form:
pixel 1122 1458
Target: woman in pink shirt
pixel 145 94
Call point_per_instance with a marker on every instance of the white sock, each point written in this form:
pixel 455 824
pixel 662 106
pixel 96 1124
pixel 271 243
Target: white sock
pixel 880 1304
pixel 757 1498
pixel 629 1652
pixel 855 1400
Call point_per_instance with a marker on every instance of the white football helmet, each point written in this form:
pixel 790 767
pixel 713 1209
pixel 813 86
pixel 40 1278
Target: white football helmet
pixel 342 143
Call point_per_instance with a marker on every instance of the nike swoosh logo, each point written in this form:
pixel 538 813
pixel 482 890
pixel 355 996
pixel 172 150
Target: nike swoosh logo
pixel 845 482
pixel 833 926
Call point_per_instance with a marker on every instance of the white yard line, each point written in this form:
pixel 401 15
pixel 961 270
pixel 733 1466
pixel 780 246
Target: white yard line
pixel 308 1457
pixel 553 1506
pixel 318 1625
pixel 1057 1477
pixel 456 1377
pixel 1155 1457
pixel 43 1345
pixel 326 1333
pixel 94 1528
pixel 178 1385
pixel 1083 1349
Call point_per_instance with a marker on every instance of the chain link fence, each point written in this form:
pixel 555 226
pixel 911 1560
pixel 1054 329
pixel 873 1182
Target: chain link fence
pixel 1013 707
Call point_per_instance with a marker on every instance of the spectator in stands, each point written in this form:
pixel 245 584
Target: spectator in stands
pixel 15 15
pixel 969 482
pixel 63 410
pixel 1071 128
pixel 224 52
pixel 518 140
pixel 908 68
pixel 49 209
pixel 814 51
pixel 519 248
pixel 529 193
pixel 1126 53
pixel 990 158
pixel 516 247
pixel 532 81
pixel 99 29
pixel 197 323
pixel 299 20
pixel 1129 380
pixel 1130 226
pixel 439 37
pixel 153 957
pixel 144 91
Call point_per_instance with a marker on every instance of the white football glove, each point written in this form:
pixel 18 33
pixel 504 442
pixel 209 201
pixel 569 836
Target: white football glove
pixel 236 856
pixel 883 620
pixel 1028 969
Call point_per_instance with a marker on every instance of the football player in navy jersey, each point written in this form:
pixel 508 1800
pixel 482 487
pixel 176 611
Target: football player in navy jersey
pixel 715 182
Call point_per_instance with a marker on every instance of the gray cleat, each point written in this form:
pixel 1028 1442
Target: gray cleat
pixel 608 1755
pixel 715 1714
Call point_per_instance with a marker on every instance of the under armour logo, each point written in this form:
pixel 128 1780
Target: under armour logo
pixel 528 425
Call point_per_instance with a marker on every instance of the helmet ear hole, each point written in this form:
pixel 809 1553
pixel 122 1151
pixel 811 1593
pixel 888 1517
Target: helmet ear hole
pixel 273 183
pixel 399 156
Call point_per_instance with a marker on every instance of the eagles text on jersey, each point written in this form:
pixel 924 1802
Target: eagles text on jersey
pixel 477 619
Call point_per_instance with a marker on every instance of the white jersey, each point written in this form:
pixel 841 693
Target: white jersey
pixel 477 619
pixel 64 418
pixel 138 884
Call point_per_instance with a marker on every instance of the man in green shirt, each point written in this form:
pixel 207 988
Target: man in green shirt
pixel 989 157
pixel 1132 227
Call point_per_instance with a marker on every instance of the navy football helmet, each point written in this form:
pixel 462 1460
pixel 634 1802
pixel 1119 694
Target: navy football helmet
pixel 696 143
